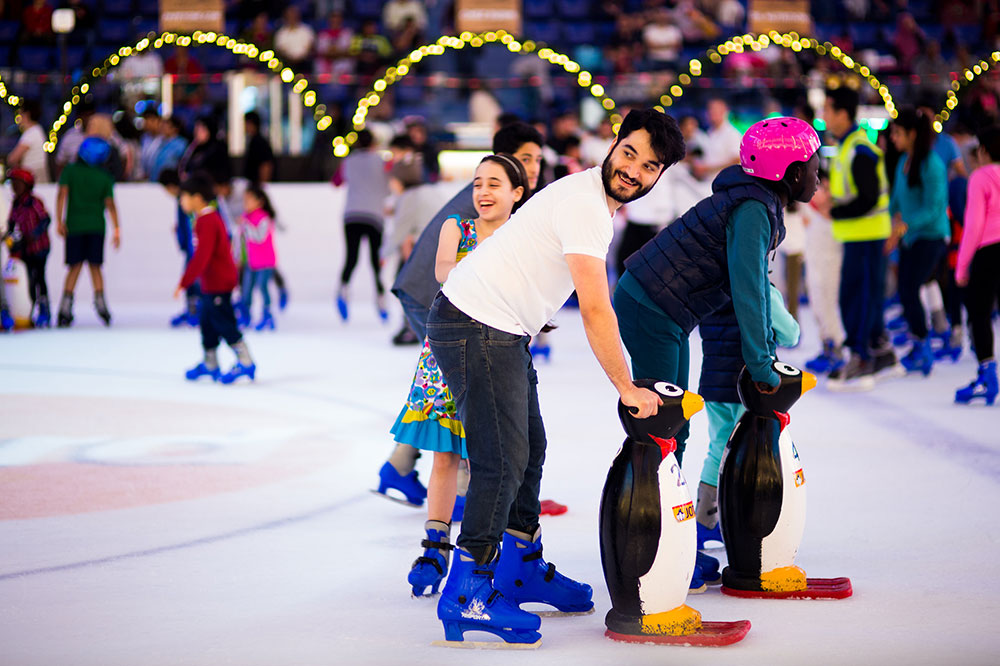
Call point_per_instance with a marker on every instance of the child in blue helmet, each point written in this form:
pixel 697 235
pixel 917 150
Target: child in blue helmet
pixel 86 192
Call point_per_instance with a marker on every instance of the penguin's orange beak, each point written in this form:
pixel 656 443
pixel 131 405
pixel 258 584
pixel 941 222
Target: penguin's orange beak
pixel 692 403
pixel 808 381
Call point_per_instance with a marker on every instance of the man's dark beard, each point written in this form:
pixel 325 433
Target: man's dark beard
pixel 608 176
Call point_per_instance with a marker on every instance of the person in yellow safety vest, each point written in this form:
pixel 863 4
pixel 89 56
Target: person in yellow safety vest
pixel 862 223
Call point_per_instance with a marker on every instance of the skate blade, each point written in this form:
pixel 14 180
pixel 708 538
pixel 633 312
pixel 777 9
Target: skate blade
pixel 892 372
pixel 711 634
pixel 488 645
pixel 559 613
pixel 816 588
pixel 838 386
pixel 397 500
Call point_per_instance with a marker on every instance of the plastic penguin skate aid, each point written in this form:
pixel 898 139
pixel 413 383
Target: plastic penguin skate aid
pixel 762 498
pixel 648 532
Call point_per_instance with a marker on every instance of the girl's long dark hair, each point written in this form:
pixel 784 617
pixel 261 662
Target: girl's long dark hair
pixel 913 119
pixel 515 172
pixel 265 202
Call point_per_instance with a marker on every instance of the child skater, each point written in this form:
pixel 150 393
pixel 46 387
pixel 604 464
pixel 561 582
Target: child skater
pixel 257 227
pixel 171 182
pixel 428 421
pixel 213 264
pixel 28 236
pixel 978 266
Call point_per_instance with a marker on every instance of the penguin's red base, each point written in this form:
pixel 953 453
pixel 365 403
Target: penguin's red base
pixel 552 508
pixel 711 634
pixel 816 588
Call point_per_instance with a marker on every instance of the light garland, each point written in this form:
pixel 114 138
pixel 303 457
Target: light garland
pixel 965 78
pixel 342 144
pixel 300 85
pixel 789 40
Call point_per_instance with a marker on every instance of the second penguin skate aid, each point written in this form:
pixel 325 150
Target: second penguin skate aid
pixel 648 539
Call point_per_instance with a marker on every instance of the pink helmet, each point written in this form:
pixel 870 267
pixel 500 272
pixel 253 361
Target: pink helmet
pixel 770 145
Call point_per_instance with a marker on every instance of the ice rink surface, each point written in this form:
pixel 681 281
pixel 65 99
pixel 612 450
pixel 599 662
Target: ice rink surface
pixel 148 521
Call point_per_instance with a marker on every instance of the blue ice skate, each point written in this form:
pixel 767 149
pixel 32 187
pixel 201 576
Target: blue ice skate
pixel 825 362
pixel 459 510
pixel 985 386
pixel 239 370
pixel 705 534
pixel 469 602
pixel 266 322
pixel 430 568
pixel 920 358
pixel 709 568
pixel 896 323
pixel 6 321
pixel 184 319
pixel 342 303
pixel 522 576
pixel 282 299
pixel 44 318
pixel 409 485
pixel 540 351
pixel 202 370
pixel 383 314
pixel 900 339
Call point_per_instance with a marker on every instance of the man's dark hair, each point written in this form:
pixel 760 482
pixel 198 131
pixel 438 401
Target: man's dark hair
pixel 665 136
pixel 511 137
pixel 32 108
pixel 365 140
pixel 169 178
pixel 845 99
pixel 252 118
pixel 989 139
pixel 199 184
pixel 402 142
pixel 508 118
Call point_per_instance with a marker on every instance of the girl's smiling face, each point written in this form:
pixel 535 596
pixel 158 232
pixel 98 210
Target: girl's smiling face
pixel 493 194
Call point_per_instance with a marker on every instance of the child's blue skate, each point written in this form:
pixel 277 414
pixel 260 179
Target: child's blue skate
pixel 383 314
pixel 183 319
pixel 708 566
pixel 540 351
pixel 266 322
pixel 342 303
pixel 705 534
pixel 920 358
pixel 469 602
pixel 459 510
pixel 430 568
pixel 408 485
pixel 825 362
pixel 282 299
pixel 523 576
pixel 985 386
pixel 6 321
pixel 44 318
pixel 896 323
pixel 202 370
pixel 239 370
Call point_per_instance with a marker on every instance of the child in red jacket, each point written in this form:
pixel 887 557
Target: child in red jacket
pixel 213 264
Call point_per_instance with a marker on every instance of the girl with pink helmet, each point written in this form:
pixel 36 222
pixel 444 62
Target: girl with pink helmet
pixel 712 256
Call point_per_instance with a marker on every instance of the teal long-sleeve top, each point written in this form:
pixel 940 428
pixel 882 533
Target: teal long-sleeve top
pixel 924 208
pixel 748 237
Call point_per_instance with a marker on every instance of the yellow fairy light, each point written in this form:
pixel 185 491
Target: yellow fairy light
pixel 341 150
pixel 608 104
pixel 597 90
pixel 676 90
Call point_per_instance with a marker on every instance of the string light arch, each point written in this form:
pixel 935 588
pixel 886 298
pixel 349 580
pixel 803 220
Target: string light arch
pixel 965 78
pixel 341 145
pixel 789 40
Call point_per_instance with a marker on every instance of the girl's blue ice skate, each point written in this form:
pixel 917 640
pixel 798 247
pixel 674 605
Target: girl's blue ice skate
pixel 6 321
pixel 266 322
pixel 522 576
pixel 239 370
pixel 408 485
pixel 202 370
pixel 430 568
pixel 985 386
pixel 469 602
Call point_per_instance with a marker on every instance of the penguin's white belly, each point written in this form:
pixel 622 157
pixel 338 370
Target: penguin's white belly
pixel 665 586
pixel 778 549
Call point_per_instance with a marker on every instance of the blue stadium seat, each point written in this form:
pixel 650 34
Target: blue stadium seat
pixel 826 31
pixel 8 31
pixel 865 35
pixel 970 35
pixel 367 9
pixel 116 7
pixel 542 31
pixel 539 9
pixel 573 9
pixel 215 59
pixel 493 61
pixel 115 31
pixel 5 57
pixel 579 32
pixel 144 26
pixel 35 58
pixel 77 57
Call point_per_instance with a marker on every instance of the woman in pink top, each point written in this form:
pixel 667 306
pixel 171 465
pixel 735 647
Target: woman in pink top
pixel 978 265
pixel 257 227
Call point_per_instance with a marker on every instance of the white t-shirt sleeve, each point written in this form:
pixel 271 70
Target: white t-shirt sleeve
pixel 579 229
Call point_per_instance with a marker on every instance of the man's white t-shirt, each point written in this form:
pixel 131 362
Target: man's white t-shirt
pixel 518 277
pixel 34 159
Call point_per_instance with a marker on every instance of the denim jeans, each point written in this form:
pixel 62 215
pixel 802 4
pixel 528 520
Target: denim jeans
pixel 415 313
pixel 496 391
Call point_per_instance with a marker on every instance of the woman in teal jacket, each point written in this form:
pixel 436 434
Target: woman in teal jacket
pixel 919 208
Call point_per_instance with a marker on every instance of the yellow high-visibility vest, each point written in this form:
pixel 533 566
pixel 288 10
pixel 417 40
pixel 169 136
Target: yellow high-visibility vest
pixel 877 224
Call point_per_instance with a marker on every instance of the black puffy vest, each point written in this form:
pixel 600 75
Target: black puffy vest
pixel 684 268
pixel 722 356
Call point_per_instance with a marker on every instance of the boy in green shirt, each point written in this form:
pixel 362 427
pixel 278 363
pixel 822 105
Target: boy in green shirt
pixel 85 192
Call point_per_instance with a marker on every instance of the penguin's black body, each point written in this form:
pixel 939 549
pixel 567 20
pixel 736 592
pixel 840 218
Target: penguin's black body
pixel 761 515
pixel 631 515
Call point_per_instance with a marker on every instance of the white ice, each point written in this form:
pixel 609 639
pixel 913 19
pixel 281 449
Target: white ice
pixel 146 520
